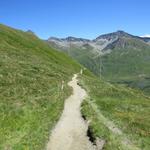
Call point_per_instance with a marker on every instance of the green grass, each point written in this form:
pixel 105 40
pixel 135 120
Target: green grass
pixel 31 99
pixel 128 109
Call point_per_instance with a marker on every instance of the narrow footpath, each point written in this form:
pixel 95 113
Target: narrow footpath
pixel 70 133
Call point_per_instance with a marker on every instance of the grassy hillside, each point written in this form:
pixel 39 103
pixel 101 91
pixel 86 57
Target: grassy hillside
pixel 31 98
pixel 117 115
pixel 85 56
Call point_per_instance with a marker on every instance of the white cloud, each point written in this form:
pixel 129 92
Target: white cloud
pixel 147 35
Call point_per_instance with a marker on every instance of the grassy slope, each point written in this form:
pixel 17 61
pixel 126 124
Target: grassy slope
pixel 85 57
pixel 125 107
pixel 30 97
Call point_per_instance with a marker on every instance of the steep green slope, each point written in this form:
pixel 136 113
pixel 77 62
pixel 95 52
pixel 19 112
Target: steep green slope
pixel 31 99
pixel 86 57
pixel 128 63
pixel 117 115
pixel 85 54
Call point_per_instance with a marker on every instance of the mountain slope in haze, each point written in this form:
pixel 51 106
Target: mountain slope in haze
pixel 128 62
pixel 119 57
pixel 31 99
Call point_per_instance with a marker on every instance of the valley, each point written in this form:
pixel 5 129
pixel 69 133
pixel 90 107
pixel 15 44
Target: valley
pixel 118 57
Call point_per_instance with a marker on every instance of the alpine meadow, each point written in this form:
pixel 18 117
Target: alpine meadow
pixel 75 75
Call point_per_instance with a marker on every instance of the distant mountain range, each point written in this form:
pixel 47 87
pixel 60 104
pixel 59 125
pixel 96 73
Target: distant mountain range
pixel 99 43
pixel 118 57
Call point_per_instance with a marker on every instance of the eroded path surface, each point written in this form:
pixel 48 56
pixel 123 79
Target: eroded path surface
pixel 70 131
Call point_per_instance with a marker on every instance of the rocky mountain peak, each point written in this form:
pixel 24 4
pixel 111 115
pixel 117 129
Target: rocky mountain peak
pixel 113 35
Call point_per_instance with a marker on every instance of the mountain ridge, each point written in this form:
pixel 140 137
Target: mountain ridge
pixel 102 36
pixel 99 44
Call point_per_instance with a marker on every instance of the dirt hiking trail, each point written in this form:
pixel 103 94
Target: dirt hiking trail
pixel 70 133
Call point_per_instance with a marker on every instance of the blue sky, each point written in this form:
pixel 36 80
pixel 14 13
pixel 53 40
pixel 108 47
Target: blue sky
pixel 80 18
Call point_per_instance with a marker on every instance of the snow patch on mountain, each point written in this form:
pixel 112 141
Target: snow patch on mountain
pixel 146 36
